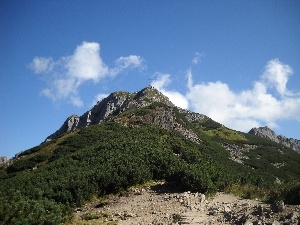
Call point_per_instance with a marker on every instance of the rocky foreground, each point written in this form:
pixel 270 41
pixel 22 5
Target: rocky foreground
pixel 158 203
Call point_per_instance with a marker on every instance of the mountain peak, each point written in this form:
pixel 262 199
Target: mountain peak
pixel 266 132
pixel 113 105
pixel 151 94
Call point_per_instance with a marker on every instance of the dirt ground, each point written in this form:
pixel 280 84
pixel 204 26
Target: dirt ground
pixel 159 203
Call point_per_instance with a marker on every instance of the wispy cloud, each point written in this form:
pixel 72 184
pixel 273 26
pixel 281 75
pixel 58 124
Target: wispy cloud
pixel 68 73
pixel 276 75
pixel 197 58
pixel 127 63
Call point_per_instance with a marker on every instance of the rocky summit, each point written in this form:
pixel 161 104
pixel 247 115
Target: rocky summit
pixel 113 105
pixel 266 132
pixel 118 102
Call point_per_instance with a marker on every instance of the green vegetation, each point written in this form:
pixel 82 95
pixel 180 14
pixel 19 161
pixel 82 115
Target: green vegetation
pixel 48 181
pixel 18 209
pixel 225 133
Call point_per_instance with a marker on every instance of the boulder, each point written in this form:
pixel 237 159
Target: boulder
pixel 278 206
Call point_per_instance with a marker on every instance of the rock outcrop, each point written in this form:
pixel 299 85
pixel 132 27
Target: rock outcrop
pixel 3 160
pixel 266 132
pixel 164 117
pixel 237 152
pixel 111 106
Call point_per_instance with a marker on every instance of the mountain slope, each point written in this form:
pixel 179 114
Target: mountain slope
pixel 131 138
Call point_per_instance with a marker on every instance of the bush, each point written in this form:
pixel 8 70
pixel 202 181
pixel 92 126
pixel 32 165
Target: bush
pixel 40 157
pixel 17 209
pixel 292 194
pixel 2 174
pixel 21 164
pixel 109 158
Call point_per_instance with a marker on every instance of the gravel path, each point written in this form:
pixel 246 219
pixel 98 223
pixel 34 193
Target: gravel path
pixel 158 203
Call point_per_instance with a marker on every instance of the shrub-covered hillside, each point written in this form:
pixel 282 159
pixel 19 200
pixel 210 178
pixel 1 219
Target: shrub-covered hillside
pixel 45 183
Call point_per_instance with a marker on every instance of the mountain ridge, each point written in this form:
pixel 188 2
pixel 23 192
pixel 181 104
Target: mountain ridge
pixel 109 108
pixel 266 132
pixel 120 101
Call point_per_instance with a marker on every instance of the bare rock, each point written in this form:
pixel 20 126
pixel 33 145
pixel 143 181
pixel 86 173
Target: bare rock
pixel 260 210
pixel 266 132
pixel 278 206
pixel 293 216
pixel 275 222
pixel 3 160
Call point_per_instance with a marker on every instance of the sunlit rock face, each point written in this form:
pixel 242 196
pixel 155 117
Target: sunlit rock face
pixel 266 132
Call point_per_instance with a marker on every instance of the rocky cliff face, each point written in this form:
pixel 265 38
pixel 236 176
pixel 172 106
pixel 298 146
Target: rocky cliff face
pixel 266 132
pixel 111 106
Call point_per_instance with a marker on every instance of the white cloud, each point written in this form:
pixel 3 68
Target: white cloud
pixel 177 99
pixel 276 75
pixel 67 74
pixel 42 64
pixel 129 62
pixel 162 81
pixel 247 108
pixel 132 61
pixel 86 63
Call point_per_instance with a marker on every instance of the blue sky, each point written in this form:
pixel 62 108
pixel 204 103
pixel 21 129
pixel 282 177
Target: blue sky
pixel 235 61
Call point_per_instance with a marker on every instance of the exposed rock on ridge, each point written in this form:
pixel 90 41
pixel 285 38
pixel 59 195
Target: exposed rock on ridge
pixel 164 118
pixel 266 132
pixel 113 105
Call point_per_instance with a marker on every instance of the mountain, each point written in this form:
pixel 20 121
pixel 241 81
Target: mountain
pixel 118 102
pixel 131 138
pixel 266 132
pixel 113 105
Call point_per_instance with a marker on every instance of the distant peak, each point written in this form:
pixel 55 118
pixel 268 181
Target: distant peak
pixel 266 132
pixel 263 132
